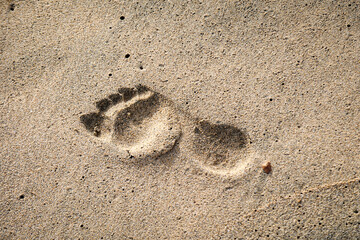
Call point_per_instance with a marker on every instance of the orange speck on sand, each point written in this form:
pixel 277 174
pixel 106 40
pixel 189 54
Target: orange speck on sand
pixel 266 167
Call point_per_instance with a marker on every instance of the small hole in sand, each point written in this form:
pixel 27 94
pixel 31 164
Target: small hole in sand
pixel 12 7
pixel 22 196
pixel 127 55
pixel 122 18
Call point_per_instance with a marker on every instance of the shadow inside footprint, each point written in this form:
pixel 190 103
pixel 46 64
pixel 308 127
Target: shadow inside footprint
pixel 135 117
pixel 92 122
pixel 220 145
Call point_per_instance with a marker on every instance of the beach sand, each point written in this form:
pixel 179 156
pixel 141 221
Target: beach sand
pixel 236 119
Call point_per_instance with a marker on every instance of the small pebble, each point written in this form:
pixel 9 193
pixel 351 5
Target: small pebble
pixel 266 167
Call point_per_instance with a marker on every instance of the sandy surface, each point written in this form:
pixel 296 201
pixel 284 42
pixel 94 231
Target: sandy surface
pixel 239 84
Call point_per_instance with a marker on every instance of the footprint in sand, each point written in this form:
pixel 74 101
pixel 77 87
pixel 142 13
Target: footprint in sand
pixel 146 124
pixel 136 120
pixel 221 148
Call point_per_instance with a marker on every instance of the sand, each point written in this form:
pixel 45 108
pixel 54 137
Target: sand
pixel 238 84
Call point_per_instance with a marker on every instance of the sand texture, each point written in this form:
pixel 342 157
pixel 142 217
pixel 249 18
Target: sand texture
pixel 179 120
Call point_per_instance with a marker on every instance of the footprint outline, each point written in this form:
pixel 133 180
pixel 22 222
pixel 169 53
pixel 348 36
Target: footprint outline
pixel 146 124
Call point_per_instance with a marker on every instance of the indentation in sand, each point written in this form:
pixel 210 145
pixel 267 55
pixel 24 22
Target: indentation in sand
pixel 135 120
pixel 220 148
pixel 146 124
